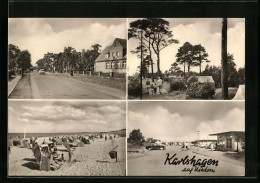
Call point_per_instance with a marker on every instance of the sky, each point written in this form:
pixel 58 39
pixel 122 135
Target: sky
pixel 204 31
pixel 42 35
pixel 180 120
pixel 65 116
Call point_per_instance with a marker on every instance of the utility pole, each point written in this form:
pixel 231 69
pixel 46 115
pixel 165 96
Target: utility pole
pixel 141 66
pixel 198 136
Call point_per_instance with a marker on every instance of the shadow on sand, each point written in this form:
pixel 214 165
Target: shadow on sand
pixel 31 165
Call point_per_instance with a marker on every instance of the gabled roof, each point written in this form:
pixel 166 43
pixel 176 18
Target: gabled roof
pixel 121 41
pixel 102 57
pixel 205 79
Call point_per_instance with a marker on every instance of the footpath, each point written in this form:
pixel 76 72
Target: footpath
pixel 12 84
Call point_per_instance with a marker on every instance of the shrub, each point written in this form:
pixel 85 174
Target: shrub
pixel 134 87
pixel 174 86
pixel 192 79
pixel 200 90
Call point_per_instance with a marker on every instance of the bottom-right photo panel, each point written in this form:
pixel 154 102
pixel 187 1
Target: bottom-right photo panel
pixel 186 138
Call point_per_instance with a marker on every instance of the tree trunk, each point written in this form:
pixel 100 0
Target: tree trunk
pixel 151 59
pixel 224 83
pixel 158 64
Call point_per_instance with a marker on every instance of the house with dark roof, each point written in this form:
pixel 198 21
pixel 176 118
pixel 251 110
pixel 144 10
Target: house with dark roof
pixel 230 141
pixel 112 58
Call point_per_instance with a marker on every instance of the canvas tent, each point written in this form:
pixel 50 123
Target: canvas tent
pixel 240 95
pixel 206 79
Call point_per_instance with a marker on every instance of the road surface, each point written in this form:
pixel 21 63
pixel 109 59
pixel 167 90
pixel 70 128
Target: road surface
pixel 151 163
pixel 52 86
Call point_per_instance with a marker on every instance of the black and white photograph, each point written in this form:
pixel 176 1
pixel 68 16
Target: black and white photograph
pixel 67 58
pixel 186 138
pixel 186 58
pixel 66 138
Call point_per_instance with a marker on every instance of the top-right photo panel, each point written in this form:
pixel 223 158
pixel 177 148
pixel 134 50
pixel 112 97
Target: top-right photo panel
pixel 186 59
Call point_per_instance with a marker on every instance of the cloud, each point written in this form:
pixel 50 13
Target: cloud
pixel 162 124
pixel 39 37
pixel 72 116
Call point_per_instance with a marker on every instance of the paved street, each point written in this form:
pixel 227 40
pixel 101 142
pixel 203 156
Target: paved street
pixel 52 86
pixel 151 163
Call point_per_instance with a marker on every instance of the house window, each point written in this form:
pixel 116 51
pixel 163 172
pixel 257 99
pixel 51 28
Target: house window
pixel 124 64
pixel 113 65
pixel 113 54
pixel 108 65
pixel 119 65
pixel 107 55
pixel 117 53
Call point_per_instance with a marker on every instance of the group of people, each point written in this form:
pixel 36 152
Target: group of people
pixel 151 86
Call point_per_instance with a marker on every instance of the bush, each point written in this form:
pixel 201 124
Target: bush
pixel 192 79
pixel 134 87
pixel 174 86
pixel 200 90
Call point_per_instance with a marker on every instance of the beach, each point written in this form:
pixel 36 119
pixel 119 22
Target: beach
pixel 91 160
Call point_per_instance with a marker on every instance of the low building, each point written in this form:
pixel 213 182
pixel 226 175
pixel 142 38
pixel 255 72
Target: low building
pixel 203 143
pixel 230 141
pixel 112 58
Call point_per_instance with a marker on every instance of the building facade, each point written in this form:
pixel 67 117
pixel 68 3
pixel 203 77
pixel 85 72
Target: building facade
pixel 112 58
pixel 230 141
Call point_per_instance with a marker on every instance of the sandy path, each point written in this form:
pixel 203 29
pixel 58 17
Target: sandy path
pixel 90 160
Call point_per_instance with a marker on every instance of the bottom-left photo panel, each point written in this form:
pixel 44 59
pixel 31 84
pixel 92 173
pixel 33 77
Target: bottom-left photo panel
pixel 66 138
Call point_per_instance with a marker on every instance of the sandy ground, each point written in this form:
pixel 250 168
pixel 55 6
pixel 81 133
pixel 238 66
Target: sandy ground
pixel 90 160
pixel 151 163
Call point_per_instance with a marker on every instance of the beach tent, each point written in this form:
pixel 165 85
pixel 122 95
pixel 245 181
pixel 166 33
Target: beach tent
pixel 59 142
pixel 240 95
pixel 25 144
pixel 16 142
pixel 206 79
pixel 10 142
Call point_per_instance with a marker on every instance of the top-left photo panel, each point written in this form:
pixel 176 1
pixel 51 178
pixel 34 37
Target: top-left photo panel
pixel 67 58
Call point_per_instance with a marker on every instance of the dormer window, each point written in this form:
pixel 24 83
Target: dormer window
pixel 107 55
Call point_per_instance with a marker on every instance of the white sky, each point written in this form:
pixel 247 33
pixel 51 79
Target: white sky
pixel 180 120
pixel 65 116
pixel 42 35
pixel 204 31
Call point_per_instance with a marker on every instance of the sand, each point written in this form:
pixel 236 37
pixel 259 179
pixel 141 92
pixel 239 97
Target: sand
pixel 91 160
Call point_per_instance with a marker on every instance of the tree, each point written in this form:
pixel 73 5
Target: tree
pixel 224 81
pixel 24 60
pixel 136 136
pixel 185 56
pixel 232 75
pixel 200 55
pixel 241 75
pixel 90 56
pixel 175 69
pixel 161 37
pixel 13 52
pixel 142 26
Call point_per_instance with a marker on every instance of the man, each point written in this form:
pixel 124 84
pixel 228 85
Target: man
pixel 160 83
pixel 147 85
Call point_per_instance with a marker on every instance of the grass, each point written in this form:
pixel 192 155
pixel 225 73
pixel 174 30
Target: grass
pixel 119 83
